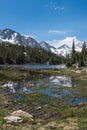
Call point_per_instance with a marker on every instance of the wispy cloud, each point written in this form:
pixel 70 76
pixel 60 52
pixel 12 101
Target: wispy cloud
pixel 61 32
pixel 54 6
pixel 57 32
pixel 58 8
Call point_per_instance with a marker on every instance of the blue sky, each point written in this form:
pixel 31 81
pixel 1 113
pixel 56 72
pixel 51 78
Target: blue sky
pixel 45 19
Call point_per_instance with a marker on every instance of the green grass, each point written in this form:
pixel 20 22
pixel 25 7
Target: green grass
pixel 11 74
pixel 54 112
pixel 83 123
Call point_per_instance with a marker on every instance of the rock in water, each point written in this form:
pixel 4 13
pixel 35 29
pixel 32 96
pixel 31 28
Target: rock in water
pixel 13 119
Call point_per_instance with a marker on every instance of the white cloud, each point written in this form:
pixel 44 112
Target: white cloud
pixel 68 41
pixel 60 32
pixel 57 32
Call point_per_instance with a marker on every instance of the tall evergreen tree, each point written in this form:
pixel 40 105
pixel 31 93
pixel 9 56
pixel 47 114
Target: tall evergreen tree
pixel 84 54
pixel 73 55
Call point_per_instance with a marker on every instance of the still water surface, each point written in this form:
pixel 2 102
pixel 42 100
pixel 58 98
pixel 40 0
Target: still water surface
pixel 53 86
pixel 38 66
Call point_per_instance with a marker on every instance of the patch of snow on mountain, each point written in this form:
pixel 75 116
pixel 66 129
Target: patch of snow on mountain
pixel 14 36
pixel 8 40
pixel 64 50
pixel 79 46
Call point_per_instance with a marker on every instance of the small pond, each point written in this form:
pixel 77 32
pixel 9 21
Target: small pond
pixel 55 87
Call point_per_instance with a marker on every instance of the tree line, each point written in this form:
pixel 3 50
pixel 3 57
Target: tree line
pixel 77 58
pixel 19 54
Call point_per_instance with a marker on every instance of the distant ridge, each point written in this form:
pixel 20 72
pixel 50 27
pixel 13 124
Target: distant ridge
pixel 9 35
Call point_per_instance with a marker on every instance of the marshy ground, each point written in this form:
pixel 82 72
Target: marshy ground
pixel 56 97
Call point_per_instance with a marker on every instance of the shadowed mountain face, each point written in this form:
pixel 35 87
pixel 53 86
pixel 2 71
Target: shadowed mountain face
pixel 47 47
pixel 14 37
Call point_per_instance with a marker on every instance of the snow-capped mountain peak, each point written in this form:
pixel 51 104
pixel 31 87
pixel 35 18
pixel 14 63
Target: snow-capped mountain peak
pixel 14 37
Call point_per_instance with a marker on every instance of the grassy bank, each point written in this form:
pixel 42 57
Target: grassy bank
pixel 49 112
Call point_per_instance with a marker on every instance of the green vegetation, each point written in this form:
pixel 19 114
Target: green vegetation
pixel 73 55
pixel 4 74
pixel 77 59
pixel 50 113
pixel 19 54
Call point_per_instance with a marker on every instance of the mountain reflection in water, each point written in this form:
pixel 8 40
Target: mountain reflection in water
pixel 50 83
pixel 52 86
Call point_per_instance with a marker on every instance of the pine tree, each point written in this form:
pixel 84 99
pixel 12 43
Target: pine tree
pixel 73 55
pixel 83 54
